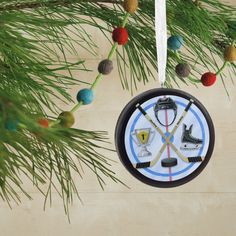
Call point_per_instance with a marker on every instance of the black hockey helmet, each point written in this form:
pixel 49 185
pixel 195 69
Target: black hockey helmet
pixel 165 103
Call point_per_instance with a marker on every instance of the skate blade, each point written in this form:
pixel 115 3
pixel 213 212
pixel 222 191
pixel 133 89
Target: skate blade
pixel 187 147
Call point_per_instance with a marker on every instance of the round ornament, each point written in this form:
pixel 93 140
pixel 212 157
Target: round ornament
pixel 165 137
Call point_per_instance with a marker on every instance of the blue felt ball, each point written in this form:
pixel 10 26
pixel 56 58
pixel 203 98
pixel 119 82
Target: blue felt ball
pixel 85 96
pixel 175 42
pixel 11 124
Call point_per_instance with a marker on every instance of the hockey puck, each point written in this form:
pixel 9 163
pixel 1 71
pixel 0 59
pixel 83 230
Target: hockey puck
pixel 138 134
pixel 169 162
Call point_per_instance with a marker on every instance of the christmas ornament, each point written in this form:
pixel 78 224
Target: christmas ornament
pixel 208 79
pixel 67 119
pixel 230 53
pixel 165 137
pixel 175 42
pixel 120 35
pixel 160 152
pixel 85 96
pixel 182 70
pixel 105 67
pixel 130 6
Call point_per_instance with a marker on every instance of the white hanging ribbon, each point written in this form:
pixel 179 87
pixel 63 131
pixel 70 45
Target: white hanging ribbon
pixel 161 39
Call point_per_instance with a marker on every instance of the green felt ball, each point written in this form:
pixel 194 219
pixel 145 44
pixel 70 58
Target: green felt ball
pixel 67 119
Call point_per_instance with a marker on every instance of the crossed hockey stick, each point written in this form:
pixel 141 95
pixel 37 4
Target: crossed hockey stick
pixel 167 140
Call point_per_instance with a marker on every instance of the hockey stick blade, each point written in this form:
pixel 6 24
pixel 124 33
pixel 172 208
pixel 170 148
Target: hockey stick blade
pixel 195 159
pixel 142 165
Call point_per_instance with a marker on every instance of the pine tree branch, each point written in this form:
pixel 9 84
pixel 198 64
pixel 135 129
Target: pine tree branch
pixel 35 4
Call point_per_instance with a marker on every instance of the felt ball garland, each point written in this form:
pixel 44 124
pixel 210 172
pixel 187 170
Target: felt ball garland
pixel 120 37
pixel 86 96
pixel 183 70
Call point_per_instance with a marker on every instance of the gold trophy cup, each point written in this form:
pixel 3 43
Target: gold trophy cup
pixel 143 138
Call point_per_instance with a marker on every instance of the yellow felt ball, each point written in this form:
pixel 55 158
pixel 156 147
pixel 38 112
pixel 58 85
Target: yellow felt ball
pixel 230 54
pixel 66 119
pixel 131 6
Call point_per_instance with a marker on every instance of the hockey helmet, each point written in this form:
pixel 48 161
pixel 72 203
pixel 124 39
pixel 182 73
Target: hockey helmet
pixel 165 103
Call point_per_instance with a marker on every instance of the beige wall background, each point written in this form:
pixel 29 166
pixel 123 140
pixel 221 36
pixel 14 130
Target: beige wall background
pixel 205 206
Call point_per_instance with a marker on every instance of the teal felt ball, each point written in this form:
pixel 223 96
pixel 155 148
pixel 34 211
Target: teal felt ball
pixel 11 124
pixel 175 42
pixel 85 96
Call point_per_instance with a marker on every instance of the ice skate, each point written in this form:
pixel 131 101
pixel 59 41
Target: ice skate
pixel 188 141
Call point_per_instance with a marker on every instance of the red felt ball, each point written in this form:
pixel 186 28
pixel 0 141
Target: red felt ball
pixel 44 123
pixel 120 35
pixel 208 79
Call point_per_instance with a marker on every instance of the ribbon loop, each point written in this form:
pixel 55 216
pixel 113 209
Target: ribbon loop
pixel 161 39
